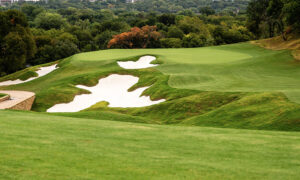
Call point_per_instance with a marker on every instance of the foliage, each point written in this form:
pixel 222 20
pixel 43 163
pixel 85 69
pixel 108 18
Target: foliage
pixel 62 28
pixel 268 18
pixel 16 41
pixel 144 37
pixel 171 43
pixel 49 21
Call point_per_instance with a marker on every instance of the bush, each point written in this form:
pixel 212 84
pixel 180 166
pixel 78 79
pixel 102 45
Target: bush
pixel 175 32
pixel 171 43
pixel 193 40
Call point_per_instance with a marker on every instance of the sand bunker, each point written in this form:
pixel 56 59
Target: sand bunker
pixel 143 62
pixel 112 89
pixel 41 72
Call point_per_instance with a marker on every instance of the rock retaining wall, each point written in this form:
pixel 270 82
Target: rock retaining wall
pixel 17 100
pixel 25 105
pixel 5 98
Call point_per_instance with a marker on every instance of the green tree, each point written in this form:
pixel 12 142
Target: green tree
pixel 103 39
pixel 49 21
pixel 193 40
pixel 31 11
pixel 207 10
pixel 171 43
pixel 175 32
pixel 16 41
pixel 291 12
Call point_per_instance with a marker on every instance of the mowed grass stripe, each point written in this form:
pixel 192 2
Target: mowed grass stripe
pixel 41 146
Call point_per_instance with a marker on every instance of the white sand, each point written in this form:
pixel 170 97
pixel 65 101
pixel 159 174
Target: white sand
pixel 112 89
pixel 41 72
pixel 143 62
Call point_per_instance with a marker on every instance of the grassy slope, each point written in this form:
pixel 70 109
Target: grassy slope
pixel 204 84
pixel 277 43
pixel 35 146
pixel 25 73
pixel 2 95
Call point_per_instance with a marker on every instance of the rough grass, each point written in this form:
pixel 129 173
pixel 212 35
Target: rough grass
pixel 201 85
pixel 2 95
pixel 269 111
pixel 42 146
pixel 277 43
pixel 25 73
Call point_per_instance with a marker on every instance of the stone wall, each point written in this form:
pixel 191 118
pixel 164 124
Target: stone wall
pixel 5 98
pixel 24 105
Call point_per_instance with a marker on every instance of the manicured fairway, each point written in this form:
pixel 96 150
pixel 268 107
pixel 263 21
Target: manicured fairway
pixel 41 146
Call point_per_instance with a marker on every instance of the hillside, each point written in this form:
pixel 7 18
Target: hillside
pixel 277 43
pixel 237 86
pixel 36 145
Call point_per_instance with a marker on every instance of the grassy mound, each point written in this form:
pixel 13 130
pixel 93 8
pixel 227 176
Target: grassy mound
pixel 277 43
pixel 37 145
pixel 237 86
pixel 25 73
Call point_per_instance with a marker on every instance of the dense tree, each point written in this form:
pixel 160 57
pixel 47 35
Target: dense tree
pixel 144 37
pixel 207 10
pixel 62 28
pixel 267 18
pixel 31 11
pixel 193 40
pixel 171 43
pixel 16 41
pixel 167 19
pixel 175 32
pixel 49 21
pixel 103 39
pixel 291 11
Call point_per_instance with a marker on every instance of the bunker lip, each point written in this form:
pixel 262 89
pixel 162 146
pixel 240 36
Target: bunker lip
pixel 41 72
pixel 112 89
pixel 143 62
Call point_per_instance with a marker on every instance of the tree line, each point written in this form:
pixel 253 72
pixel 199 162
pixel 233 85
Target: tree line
pixel 269 18
pixel 34 34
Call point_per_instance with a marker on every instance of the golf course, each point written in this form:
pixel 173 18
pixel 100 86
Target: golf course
pixel 220 112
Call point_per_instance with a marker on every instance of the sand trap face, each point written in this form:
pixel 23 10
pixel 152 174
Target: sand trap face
pixel 143 62
pixel 41 72
pixel 112 89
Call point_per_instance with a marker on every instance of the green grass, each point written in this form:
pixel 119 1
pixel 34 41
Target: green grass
pixel 42 146
pixel 2 95
pixel 25 73
pixel 236 86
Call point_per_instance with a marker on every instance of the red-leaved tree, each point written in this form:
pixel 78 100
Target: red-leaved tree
pixel 144 37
